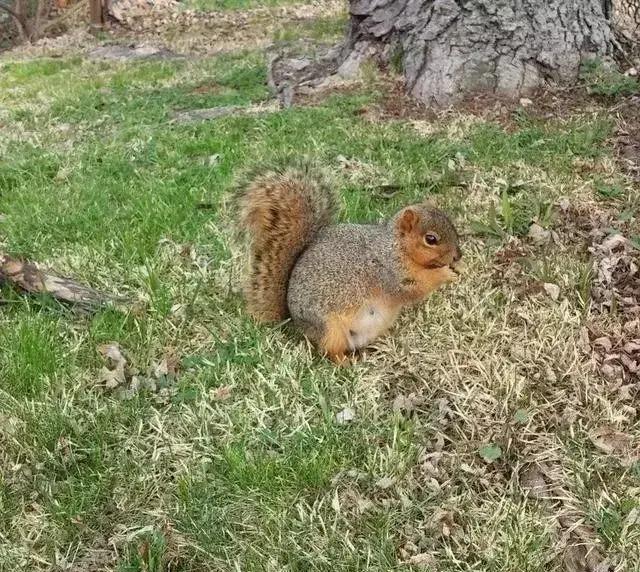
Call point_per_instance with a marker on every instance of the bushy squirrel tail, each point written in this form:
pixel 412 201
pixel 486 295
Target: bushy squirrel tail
pixel 280 213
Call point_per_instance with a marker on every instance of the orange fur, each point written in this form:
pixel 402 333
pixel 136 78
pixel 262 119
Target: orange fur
pixel 428 266
pixel 303 266
pixel 280 213
pixel 335 341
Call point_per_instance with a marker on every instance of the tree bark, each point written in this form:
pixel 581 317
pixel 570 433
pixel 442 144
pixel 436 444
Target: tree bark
pixel 96 13
pixel 449 48
pixel 29 278
pixel 19 18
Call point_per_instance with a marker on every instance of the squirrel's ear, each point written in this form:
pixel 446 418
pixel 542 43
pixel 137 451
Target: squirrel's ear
pixel 408 220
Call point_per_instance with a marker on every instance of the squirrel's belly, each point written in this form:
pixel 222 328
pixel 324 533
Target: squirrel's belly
pixel 372 320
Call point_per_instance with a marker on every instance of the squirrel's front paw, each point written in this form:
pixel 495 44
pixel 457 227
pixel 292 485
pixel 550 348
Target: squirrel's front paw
pixel 449 275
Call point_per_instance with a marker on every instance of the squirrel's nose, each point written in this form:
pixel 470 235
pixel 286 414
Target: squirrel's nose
pixel 458 254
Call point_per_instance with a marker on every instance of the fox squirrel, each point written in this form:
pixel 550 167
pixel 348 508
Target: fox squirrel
pixel 342 284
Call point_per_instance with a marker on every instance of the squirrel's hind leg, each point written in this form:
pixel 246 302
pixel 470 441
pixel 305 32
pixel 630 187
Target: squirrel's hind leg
pixel 336 342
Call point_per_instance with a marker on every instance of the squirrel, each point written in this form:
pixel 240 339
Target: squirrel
pixel 342 284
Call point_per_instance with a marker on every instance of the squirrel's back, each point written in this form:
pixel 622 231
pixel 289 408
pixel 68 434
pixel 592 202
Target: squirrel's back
pixel 281 211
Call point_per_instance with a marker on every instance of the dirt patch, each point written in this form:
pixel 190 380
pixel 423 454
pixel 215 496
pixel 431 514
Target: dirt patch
pixel 125 53
pixel 509 270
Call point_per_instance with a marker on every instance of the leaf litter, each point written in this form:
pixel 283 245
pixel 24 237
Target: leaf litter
pixel 125 382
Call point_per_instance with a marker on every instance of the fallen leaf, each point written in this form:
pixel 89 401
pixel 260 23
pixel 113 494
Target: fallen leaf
pixel 112 354
pixel 533 482
pixel 553 290
pixel 221 393
pixel 539 235
pixel 633 518
pixel 406 403
pixel 364 505
pixel 345 416
pixel 632 347
pixel 613 242
pixel 610 441
pixel 113 374
pixel 443 521
pixel 161 369
pixel 584 558
pixel 611 371
pixel 385 482
pixel 112 378
pixel 603 342
pixel 425 560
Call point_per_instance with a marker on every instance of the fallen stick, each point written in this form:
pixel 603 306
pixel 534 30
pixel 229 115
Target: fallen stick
pixel 29 278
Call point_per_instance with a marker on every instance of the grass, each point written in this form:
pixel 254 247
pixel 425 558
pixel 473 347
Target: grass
pixel 235 4
pixel 237 462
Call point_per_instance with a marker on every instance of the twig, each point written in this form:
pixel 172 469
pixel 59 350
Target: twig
pixel 29 278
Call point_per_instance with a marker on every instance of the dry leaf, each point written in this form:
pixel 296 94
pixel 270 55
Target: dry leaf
pixel 112 378
pixel 553 290
pixel 533 481
pixel 114 372
pixel 632 347
pixel 613 242
pixel 444 522
pixel 603 342
pixel 221 393
pixel 633 518
pixel 364 505
pixel 610 441
pixel 584 558
pixel 406 403
pixel 385 482
pixel 345 416
pixel 422 560
pixel 112 355
pixel 539 235
pixel 161 369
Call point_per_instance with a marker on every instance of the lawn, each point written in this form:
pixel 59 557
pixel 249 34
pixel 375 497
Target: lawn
pixel 222 449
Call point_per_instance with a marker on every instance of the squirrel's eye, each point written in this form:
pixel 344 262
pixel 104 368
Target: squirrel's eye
pixel 431 239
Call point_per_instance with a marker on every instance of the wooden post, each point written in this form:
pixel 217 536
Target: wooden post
pixel 95 13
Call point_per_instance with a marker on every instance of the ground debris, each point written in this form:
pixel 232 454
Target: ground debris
pixel 131 52
pixel 30 278
pixel 122 380
pixel 196 115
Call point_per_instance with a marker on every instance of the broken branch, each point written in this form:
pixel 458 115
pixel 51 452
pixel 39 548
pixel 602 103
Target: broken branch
pixel 29 278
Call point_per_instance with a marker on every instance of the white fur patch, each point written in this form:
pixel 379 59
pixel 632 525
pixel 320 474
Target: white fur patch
pixel 371 321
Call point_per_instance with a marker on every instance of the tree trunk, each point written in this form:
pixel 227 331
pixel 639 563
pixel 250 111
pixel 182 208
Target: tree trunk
pixel 449 48
pixel 96 13
pixel 18 15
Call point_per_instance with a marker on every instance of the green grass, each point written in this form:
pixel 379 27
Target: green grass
pixel 238 463
pixel 604 80
pixel 321 29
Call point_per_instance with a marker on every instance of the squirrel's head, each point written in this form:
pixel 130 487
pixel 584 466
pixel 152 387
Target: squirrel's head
pixel 427 236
